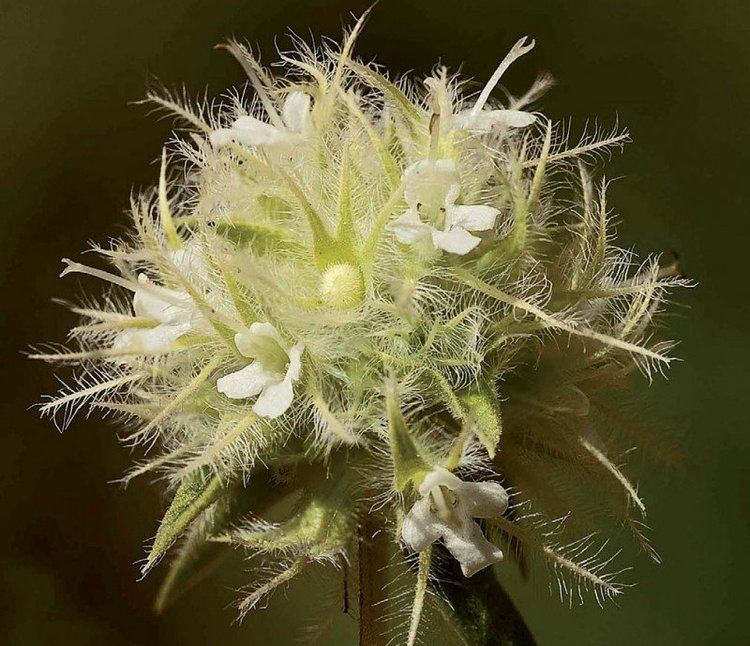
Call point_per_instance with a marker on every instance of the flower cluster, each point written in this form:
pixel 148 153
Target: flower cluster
pixel 376 301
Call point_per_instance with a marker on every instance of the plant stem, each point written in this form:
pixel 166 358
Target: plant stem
pixel 479 610
pixel 372 564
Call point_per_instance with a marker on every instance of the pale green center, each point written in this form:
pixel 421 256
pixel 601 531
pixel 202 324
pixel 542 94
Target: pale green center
pixel 271 355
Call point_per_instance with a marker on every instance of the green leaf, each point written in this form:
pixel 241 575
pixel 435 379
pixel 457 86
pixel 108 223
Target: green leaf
pixel 392 93
pixel 261 238
pixel 479 610
pixel 408 464
pixel 321 524
pixel 193 496
pixel 346 234
pixel 199 555
pixel 326 249
pixel 482 414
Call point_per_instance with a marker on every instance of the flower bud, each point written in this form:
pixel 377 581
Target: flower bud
pixel 341 286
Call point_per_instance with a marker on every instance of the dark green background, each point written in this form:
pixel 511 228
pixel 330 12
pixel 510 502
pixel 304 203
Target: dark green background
pixel 676 73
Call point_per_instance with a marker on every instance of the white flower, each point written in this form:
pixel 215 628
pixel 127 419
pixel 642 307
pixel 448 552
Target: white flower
pixel 446 510
pixel 431 189
pixel 477 119
pixel 250 131
pixel 174 311
pixel 272 373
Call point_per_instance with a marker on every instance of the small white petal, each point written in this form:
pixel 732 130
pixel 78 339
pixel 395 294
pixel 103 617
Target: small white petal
pixel 458 241
pixel 482 499
pixel 274 399
pixel 431 183
pixel 473 218
pixel 161 304
pixel 250 131
pixel 512 118
pixel 222 137
pixel 296 111
pixel 150 340
pixel 437 477
pixel 485 120
pixel 470 548
pixel 420 528
pixel 409 229
pixel 246 382
pixel 295 363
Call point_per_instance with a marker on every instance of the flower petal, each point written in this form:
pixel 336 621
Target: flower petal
pixel 431 183
pixel 473 218
pixel 482 499
pixel 161 304
pixel 244 383
pixel 295 362
pixel 296 111
pixel 222 137
pixel 437 477
pixel 470 548
pixel 150 340
pixel 485 120
pixel 275 399
pixel 458 241
pixel 249 131
pixel 409 229
pixel 421 528
pixel 512 118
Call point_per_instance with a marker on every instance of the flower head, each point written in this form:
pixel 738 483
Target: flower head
pixel 281 233
pixel 446 510
pixel 271 374
pixel 433 219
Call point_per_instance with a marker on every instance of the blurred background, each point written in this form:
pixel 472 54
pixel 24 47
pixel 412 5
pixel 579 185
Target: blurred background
pixel 74 146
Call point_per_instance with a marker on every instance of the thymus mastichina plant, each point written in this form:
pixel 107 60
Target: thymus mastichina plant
pixel 390 318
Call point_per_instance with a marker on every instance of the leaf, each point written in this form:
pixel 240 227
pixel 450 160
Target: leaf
pixel 199 555
pixel 193 496
pixel 261 238
pixel 482 414
pixel 556 322
pixel 346 233
pixel 408 465
pixel 391 92
pixel 479 610
pixel 165 211
pixel 320 525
